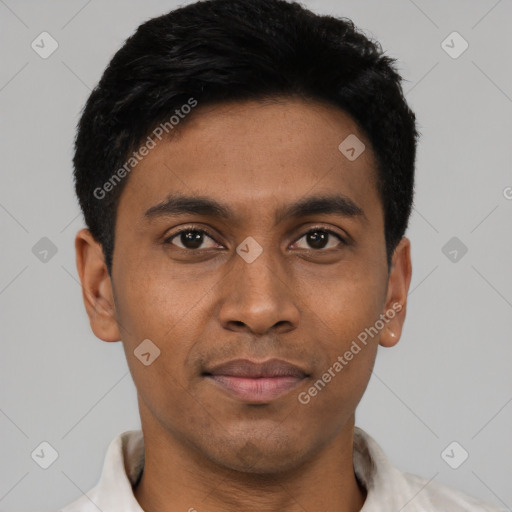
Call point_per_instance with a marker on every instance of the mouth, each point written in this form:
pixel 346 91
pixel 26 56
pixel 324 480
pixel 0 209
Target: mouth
pixel 254 382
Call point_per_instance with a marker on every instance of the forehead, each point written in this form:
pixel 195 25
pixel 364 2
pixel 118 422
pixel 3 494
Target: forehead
pixel 257 156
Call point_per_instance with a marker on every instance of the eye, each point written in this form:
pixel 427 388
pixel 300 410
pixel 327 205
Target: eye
pixel 318 238
pixel 191 239
pixel 194 239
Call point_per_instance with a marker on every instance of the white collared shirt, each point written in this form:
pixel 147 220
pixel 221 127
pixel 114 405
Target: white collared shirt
pixel 388 489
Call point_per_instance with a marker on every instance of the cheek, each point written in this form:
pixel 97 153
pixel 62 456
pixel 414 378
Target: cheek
pixel 335 391
pixel 346 304
pixel 168 311
pixel 153 304
pixel 345 311
pixel 334 394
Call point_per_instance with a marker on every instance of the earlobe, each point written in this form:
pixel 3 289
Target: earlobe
pixel 389 338
pixel 96 286
pixel 398 288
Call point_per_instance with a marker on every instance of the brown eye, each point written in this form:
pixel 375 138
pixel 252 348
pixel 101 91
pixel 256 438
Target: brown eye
pixel 190 239
pixel 319 238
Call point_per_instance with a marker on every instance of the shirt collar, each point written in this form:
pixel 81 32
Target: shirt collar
pixel 388 490
pixel 124 461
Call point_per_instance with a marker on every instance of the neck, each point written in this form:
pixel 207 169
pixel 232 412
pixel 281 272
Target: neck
pixel 177 478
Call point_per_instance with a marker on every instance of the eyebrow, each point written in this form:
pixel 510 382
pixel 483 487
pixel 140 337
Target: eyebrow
pixel 175 205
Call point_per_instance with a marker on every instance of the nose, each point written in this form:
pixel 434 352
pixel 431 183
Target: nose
pixel 259 296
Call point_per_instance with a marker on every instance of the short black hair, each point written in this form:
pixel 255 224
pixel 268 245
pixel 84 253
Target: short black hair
pixel 217 51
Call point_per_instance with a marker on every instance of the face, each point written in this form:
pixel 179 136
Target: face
pixel 253 293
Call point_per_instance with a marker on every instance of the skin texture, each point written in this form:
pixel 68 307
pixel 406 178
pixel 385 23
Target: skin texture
pixel 206 449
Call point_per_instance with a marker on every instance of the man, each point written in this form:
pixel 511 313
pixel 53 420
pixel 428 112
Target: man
pixel 246 173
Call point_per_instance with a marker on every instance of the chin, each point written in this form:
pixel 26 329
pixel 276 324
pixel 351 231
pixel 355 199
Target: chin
pixel 260 458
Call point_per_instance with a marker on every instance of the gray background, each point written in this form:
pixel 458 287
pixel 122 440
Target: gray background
pixel 449 377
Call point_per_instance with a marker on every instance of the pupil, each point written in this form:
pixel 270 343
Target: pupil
pixel 192 239
pixel 317 239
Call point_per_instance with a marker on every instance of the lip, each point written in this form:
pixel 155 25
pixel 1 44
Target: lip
pixel 257 382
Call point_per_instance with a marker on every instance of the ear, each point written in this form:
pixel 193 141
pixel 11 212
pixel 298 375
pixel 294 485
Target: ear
pixel 96 286
pixel 396 299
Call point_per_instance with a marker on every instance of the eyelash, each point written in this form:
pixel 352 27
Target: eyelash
pixel 188 229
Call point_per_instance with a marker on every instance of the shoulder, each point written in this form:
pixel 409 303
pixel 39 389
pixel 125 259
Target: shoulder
pixel 439 496
pixel 123 462
pixel 389 489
